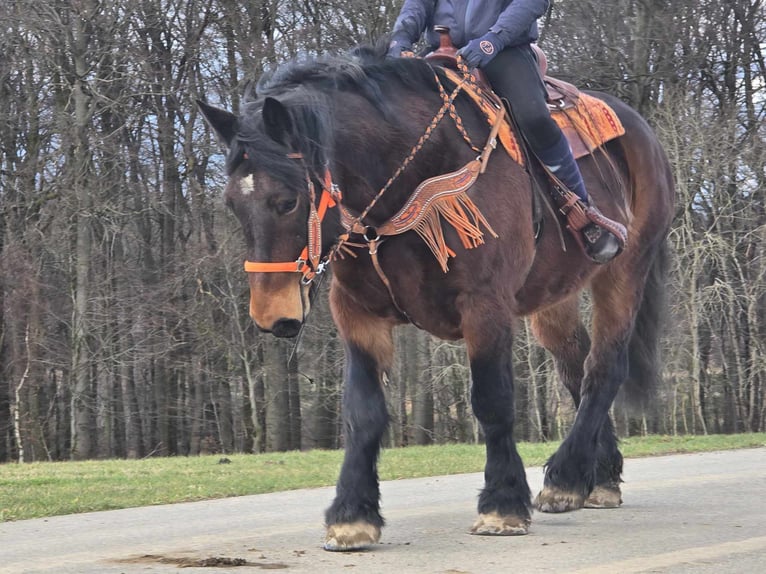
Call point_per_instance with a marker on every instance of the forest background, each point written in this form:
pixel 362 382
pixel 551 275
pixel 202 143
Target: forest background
pixel 123 304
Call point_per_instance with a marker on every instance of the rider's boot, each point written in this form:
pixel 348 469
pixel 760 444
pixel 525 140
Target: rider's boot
pixel 600 238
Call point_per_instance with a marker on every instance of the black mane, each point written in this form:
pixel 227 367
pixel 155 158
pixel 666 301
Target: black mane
pixel 361 70
pixel 308 88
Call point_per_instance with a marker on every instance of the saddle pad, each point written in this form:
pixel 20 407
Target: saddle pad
pixel 587 125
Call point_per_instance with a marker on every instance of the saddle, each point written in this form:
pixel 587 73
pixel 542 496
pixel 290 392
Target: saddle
pixel 587 122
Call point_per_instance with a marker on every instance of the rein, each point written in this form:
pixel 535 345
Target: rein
pixel 447 106
pixel 310 262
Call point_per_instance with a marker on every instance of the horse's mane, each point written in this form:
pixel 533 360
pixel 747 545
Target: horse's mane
pixel 362 70
pixel 308 87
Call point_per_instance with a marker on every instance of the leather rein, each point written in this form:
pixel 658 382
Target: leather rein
pixel 310 263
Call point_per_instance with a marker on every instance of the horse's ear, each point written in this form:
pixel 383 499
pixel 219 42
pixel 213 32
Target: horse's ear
pixel 224 123
pixel 277 121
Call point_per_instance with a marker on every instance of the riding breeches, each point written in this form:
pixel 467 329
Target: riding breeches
pixel 514 76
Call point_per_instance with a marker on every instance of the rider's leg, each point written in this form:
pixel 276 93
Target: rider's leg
pixel 514 75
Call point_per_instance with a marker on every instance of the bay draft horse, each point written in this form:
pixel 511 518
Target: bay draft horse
pixel 332 138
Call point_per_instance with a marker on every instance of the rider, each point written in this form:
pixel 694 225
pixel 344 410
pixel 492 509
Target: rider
pixel 496 36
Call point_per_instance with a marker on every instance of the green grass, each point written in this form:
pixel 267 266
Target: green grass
pixel 51 488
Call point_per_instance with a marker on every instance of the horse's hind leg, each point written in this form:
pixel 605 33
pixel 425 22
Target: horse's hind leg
pixel 504 503
pixel 353 520
pixel 571 472
pixel 606 492
pixel 560 330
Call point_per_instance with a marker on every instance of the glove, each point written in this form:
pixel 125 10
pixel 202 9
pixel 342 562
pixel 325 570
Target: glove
pixel 480 51
pixel 397 46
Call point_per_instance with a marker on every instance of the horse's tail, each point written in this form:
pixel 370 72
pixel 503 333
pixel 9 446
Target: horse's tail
pixel 644 346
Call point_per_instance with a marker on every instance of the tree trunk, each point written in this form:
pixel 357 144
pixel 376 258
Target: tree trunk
pixel 275 354
pixel 421 388
pixel 294 399
pixel 82 401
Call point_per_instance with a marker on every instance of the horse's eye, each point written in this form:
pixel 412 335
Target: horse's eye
pixel 285 206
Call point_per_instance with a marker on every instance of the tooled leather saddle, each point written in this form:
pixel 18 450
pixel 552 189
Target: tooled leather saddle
pixel 587 122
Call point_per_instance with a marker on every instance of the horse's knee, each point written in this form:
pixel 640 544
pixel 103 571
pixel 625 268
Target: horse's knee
pixel 365 422
pixel 363 398
pixel 605 370
pixel 494 410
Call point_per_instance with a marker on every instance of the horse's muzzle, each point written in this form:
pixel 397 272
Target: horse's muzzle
pixel 278 303
pixel 286 328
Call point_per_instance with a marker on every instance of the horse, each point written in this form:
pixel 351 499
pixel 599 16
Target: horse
pixel 326 151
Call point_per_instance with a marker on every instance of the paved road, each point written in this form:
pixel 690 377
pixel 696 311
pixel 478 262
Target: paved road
pixel 698 513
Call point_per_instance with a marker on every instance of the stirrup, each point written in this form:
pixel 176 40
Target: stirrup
pixel 600 238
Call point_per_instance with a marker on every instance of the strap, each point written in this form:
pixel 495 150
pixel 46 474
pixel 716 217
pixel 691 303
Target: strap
pixel 492 140
pixel 296 266
pixel 417 206
pixel 309 262
pixel 373 246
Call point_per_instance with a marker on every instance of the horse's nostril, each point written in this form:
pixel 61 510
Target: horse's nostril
pixel 286 328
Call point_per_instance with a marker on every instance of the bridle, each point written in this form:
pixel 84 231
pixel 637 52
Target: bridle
pixel 310 262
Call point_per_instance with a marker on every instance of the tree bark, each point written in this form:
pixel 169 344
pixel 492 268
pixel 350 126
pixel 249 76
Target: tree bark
pixel 82 401
pixel 275 369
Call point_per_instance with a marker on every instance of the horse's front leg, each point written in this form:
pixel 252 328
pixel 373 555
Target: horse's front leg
pixel 504 503
pixel 353 520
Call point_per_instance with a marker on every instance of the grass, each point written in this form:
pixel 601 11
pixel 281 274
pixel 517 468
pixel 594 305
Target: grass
pixel 51 488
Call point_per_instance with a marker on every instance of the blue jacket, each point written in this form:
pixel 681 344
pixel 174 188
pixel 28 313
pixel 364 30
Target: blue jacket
pixel 515 21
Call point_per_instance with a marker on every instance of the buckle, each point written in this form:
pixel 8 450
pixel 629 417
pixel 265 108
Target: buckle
pixel 592 233
pixel 569 204
pixel 310 274
pixel 370 233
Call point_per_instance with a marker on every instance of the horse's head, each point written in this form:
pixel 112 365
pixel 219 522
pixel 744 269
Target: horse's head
pixel 270 191
pixel 356 115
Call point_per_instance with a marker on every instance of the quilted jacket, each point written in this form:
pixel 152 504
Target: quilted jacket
pixel 515 21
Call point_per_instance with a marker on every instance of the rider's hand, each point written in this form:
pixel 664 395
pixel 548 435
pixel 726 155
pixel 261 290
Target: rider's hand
pixel 480 51
pixel 397 46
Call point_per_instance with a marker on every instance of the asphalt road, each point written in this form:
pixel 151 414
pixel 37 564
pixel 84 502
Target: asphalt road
pixel 697 513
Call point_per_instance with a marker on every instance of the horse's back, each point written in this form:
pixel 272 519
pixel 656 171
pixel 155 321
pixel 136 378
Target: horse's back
pixel 649 189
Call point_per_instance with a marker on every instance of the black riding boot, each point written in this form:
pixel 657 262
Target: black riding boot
pixel 600 238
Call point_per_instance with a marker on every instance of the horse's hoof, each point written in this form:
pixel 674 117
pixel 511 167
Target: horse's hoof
pixel 493 524
pixel 354 536
pixel 604 497
pixel 552 499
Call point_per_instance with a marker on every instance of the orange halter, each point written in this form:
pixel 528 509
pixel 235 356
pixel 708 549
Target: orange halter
pixel 309 262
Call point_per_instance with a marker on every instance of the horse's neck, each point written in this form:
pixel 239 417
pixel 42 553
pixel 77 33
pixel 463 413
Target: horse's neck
pixel 378 163
pixel 367 170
